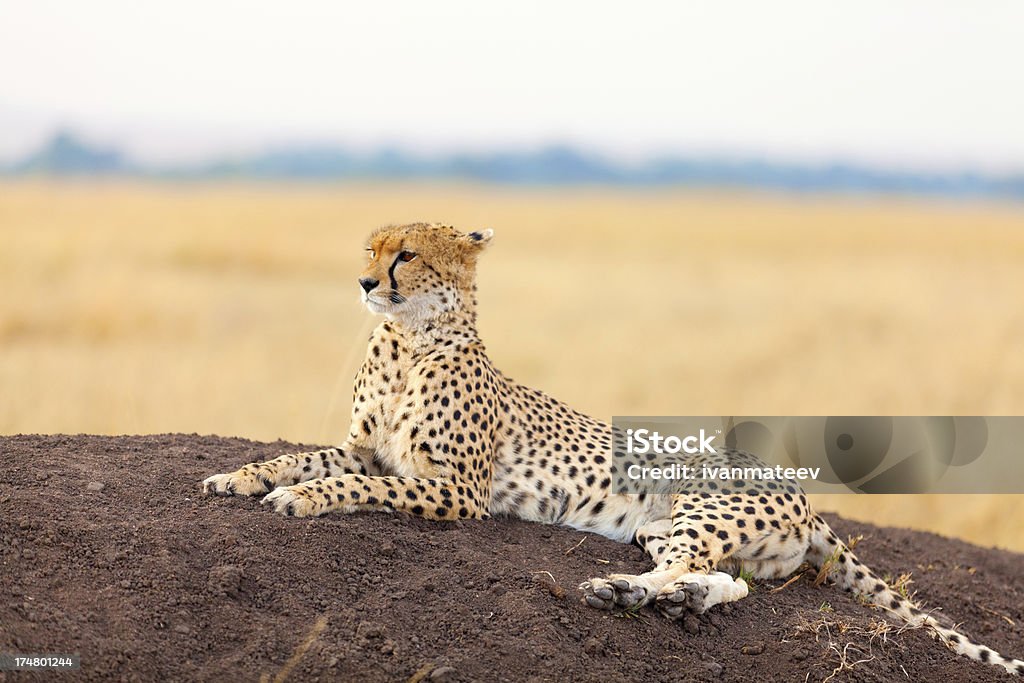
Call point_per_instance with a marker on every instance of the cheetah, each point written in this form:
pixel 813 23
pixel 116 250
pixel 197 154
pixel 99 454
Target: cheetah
pixel 439 432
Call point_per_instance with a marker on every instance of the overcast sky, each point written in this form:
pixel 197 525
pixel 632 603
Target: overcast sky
pixel 925 84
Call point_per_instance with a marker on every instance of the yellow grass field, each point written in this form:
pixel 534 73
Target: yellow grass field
pixel 233 309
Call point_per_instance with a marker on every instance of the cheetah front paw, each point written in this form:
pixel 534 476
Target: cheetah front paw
pixel 243 482
pixel 617 592
pixel 696 593
pixel 294 501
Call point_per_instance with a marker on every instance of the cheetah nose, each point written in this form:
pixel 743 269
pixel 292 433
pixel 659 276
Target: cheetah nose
pixel 368 283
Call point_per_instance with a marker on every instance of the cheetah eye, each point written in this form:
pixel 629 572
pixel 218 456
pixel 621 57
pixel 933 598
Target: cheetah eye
pixel 406 256
pixel 372 253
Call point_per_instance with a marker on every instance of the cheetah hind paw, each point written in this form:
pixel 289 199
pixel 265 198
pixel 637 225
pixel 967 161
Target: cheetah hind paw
pixel 617 592
pixel 697 593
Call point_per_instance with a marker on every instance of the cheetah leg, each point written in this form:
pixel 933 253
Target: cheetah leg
pixel 262 477
pixel 628 591
pixel 789 552
pixel 691 591
pixel 428 498
pixel 768 537
pixel 705 531
pixel 702 532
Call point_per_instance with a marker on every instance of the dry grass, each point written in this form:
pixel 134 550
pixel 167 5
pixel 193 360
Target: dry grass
pixel 860 643
pixel 232 309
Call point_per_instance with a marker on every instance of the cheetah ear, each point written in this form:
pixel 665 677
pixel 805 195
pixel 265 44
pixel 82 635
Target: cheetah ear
pixel 479 238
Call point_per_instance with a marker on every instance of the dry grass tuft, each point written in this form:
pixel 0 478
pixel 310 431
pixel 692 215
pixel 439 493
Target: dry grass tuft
pixel 850 643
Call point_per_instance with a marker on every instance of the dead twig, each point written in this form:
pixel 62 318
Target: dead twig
pixel 1002 616
pixel 570 550
pixel 793 579
pixel 301 650
pixel 421 673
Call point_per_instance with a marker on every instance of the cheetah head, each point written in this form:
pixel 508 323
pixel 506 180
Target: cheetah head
pixel 419 271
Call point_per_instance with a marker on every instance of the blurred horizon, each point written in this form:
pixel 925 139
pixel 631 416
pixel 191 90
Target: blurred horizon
pixel 66 153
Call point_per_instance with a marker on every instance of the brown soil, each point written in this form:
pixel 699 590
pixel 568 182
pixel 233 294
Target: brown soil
pixel 147 579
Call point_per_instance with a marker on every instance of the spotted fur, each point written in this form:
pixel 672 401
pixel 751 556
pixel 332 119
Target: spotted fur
pixel 437 431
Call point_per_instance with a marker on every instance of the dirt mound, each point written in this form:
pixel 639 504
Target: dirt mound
pixel 110 551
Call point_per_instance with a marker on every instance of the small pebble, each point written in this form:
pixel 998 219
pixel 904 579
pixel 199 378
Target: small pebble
pixel 593 647
pixel 713 668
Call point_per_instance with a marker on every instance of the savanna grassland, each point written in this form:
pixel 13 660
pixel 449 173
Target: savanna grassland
pixel 233 309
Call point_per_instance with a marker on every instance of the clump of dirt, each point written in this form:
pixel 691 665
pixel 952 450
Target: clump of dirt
pixel 110 551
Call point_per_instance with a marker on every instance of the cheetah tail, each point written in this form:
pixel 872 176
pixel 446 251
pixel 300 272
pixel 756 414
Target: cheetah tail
pixel 852 575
